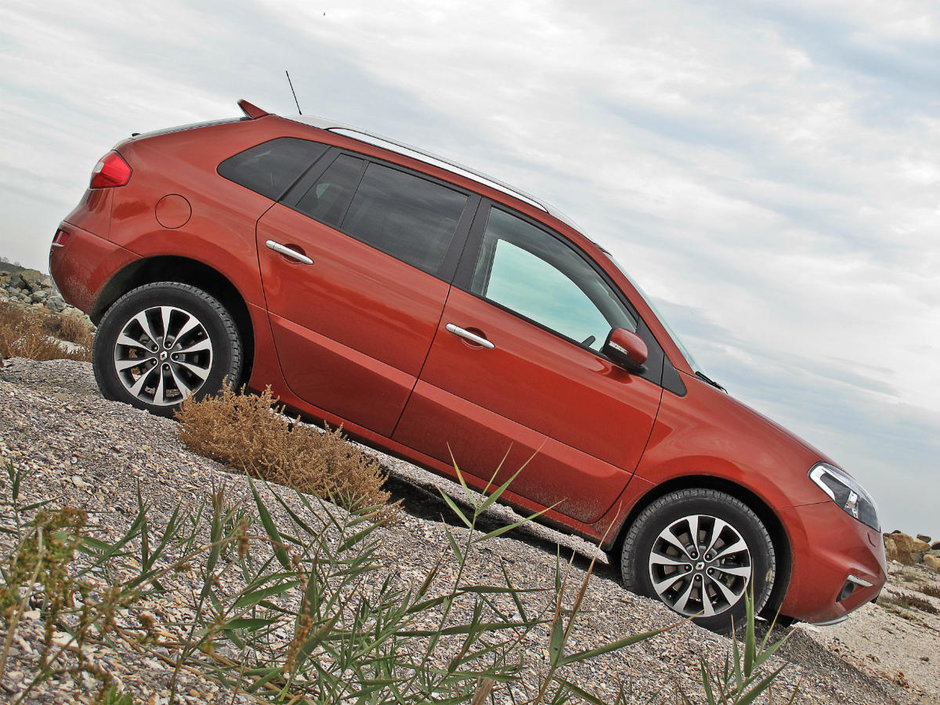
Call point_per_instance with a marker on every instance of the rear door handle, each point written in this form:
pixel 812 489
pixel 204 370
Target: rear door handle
pixel 287 252
pixel 467 335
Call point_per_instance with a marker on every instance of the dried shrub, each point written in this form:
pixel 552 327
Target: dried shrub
pixel 931 590
pixel 250 434
pixel 72 328
pixel 917 603
pixel 911 602
pixel 35 333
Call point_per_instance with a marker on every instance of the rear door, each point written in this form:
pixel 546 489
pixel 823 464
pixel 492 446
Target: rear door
pixel 355 263
pixel 530 380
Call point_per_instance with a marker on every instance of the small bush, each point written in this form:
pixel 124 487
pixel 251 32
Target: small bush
pixel 248 433
pixel 35 333
pixel 917 603
pixel 910 602
pixel 72 328
pixel 931 590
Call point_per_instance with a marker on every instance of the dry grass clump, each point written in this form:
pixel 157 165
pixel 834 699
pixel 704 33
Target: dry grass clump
pixel 931 590
pixel 250 434
pixel 34 332
pixel 71 328
pixel 911 602
pixel 915 602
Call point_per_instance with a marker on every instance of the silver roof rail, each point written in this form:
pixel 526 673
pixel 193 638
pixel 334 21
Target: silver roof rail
pixel 425 157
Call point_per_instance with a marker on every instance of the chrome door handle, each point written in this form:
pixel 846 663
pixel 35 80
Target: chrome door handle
pixel 467 335
pixel 287 252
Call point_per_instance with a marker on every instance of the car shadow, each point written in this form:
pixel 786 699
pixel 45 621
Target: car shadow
pixel 425 502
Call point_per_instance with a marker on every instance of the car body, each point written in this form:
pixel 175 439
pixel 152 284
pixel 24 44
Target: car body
pixel 445 317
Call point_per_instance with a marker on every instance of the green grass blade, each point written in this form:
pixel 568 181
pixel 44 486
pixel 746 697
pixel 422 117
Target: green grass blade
pixel 249 623
pixel 246 599
pixel 614 645
pixel 273 534
pixel 499 531
pixel 580 692
pixel 454 546
pixel 750 640
pixel 514 593
pixel 497 493
pixel 456 510
pixel 759 688
pixel 557 641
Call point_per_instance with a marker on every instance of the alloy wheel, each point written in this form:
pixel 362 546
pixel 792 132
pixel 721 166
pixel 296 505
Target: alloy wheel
pixel 700 565
pixel 163 355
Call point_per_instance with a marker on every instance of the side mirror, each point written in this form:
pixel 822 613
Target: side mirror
pixel 626 349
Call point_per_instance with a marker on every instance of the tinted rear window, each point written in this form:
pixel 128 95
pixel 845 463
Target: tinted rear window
pixel 328 197
pixel 271 167
pixel 406 216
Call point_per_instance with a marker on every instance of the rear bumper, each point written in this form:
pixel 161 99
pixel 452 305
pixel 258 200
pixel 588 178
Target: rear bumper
pixel 838 563
pixel 81 263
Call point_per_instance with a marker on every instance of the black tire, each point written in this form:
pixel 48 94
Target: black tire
pixel 186 341
pixel 733 551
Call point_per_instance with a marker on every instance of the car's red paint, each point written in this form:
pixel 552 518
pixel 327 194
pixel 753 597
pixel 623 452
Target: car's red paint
pixel 353 329
pixel 518 397
pixel 360 339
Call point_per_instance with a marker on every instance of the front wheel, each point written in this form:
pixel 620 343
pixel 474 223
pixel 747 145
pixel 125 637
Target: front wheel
pixel 164 342
pixel 699 552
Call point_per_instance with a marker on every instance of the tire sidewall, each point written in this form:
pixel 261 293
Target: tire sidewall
pixel 664 511
pixel 210 313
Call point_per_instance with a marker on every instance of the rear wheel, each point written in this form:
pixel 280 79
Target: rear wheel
pixel 164 342
pixel 699 551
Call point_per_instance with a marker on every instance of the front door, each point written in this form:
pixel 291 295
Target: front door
pixel 351 271
pixel 530 378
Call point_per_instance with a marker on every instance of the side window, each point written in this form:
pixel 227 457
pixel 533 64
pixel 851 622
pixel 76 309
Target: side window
pixel 271 167
pixel 405 216
pixel 536 275
pixel 328 197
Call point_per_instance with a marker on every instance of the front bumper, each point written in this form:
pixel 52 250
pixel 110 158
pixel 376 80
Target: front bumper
pixel 838 563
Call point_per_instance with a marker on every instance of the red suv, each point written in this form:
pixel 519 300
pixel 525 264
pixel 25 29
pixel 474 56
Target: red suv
pixel 437 313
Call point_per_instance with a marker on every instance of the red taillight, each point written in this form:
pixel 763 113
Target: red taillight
pixel 111 170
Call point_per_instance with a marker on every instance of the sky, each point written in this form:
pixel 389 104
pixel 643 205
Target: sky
pixel 769 172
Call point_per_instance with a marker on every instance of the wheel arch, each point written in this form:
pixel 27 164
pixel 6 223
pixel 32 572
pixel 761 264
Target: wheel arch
pixel 772 523
pixel 184 271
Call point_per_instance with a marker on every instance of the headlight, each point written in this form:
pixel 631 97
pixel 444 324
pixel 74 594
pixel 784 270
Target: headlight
pixel 846 492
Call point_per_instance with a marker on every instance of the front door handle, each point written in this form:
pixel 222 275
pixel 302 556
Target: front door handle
pixel 467 335
pixel 287 252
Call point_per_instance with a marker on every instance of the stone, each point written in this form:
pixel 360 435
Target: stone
pixel 902 540
pixel 932 562
pixel 32 279
pixel 923 537
pixel 919 546
pixel 897 549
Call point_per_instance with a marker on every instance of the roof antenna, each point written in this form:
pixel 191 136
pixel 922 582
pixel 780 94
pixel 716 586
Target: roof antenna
pixel 292 91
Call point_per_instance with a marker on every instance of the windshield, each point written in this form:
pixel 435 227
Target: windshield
pixel 649 302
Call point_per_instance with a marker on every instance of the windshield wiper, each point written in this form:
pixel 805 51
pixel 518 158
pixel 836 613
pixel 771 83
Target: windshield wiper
pixel 702 376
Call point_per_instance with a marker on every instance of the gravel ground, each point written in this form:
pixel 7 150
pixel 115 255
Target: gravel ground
pixel 83 451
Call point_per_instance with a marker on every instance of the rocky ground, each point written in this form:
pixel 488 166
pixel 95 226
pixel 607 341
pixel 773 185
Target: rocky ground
pixel 29 287
pixel 81 450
